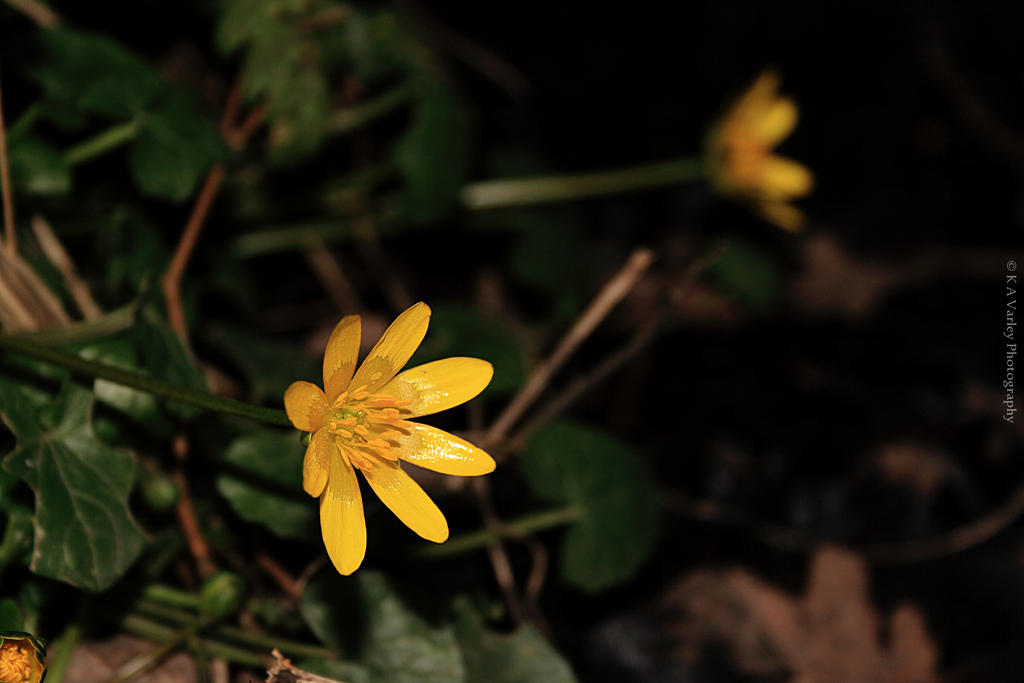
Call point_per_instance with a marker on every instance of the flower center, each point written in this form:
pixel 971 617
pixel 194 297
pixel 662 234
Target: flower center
pixel 16 662
pixel 366 425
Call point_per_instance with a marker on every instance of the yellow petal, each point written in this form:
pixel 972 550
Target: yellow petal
pixel 394 348
pixel 784 178
pixel 775 122
pixel 437 386
pixel 407 500
pixel 306 406
pixel 752 104
pixel 784 215
pixel 341 355
pixel 317 463
pixel 341 517
pixel 442 452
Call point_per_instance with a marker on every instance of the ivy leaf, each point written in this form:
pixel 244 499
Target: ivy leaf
pixel 433 154
pixel 609 485
pixel 520 657
pixel 84 532
pixel 175 146
pixel 91 73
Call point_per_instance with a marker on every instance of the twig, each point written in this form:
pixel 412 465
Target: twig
pixel 197 544
pixel 377 259
pixel 280 576
pixel 170 283
pixel 610 365
pixel 43 16
pixel 496 551
pixel 610 295
pixel 535 583
pixel 58 256
pixel 283 671
pixel 331 275
pixel 5 182
pixel 927 549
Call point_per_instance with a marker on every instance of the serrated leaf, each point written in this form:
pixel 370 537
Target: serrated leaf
pixel 520 657
pixel 91 73
pixel 462 332
pixel 38 168
pixel 609 486
pixel 286 517
pixel 84 531
pixel 433 154
pixel 175 146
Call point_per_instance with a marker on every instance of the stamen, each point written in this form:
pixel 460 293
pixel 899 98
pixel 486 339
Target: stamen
pixel 361 430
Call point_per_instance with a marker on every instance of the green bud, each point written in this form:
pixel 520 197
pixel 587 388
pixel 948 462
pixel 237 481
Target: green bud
pixel 221 595
pixel 305 438
pixel 159 491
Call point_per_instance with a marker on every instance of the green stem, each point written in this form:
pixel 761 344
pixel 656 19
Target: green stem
pixel 100 144
pixel 57 662
pixel 83 330
pixel 517 528
pixel 168 596
pixel 144 383
pixel 352 118
pixel 25 121
pixel 492 194
pixel 150 629
pixel 238 635
pixel 140 665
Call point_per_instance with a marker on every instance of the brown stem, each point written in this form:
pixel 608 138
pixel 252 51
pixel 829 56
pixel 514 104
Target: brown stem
pixel 197 544
pixel 43 16
pixel 280 576
pixel 5 182
pixel 614 291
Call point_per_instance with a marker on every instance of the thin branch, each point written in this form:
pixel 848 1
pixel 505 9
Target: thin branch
pixel 58 256
pixel 332 277
pixel 42 15
pixel 496 551
pixel 194 537
pixel 280 576
pixel 5 185
pixel 365 232
pixel 614 291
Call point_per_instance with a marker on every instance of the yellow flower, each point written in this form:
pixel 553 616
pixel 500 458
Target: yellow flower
pixel 21 658
pixel 359 422
pixel 740 159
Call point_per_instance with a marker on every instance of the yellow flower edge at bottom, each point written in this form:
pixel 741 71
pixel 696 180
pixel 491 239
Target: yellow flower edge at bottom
pixel 21 658
pixel 740 155
pixel 361 420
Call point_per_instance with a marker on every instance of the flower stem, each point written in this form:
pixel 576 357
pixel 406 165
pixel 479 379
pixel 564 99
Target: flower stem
pixel 159 632
pixel 493 194
pixel 58 661
pixel 100 144
pixel 517 528
pixel 135 380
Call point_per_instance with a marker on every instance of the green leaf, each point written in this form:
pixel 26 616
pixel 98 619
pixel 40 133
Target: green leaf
pixel 269 366
pixel 84 531
pixel 174 148
pixel 120 352
pixel 748 274
pixel 37 168
pixel 274 456
pixel 162 356
pixel 461 332
pixel 286 517
pixel 91 73
pixel 298 116
pixel 381 45
pixel 10 616
pixel 612 490
pixel 398 645
pixel 520 657
pixel 433 154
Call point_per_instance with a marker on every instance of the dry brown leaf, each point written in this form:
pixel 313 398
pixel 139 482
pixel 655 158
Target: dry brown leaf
pixel 829 635
pixel 834 283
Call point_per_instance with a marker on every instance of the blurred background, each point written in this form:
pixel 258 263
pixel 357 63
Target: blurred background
pixel 792 448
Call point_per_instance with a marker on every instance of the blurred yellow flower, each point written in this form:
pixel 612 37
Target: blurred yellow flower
pixel 740 159
pixel 359 422
pixel 21 658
